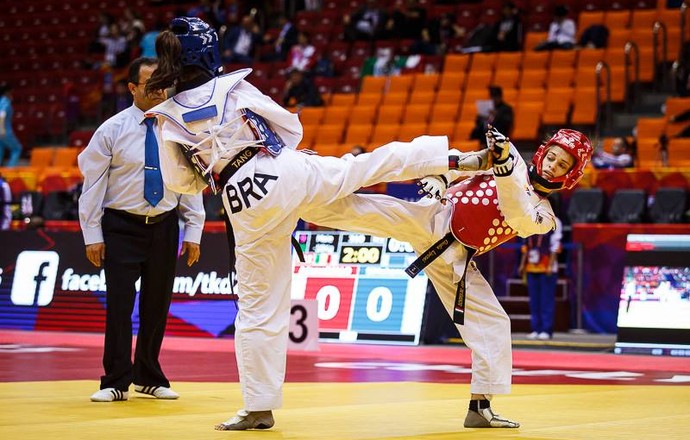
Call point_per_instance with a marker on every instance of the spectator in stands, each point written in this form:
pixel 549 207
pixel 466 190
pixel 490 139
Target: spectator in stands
pixel 148 40
pixel 302 55
pixel 5 204
pixel 300 91
pixel 324 66
pixel 595 36
pixel 406 21
pixel 562 31
pixel 115 44
pixel 539 265
pixel 126 213
pixel 508 31
pixel 681 117
pixel 7 138
pixel 500 116
pixel 436 34
pixel 286 39
pixel 366 23
pixel 619 157
pixel 240 42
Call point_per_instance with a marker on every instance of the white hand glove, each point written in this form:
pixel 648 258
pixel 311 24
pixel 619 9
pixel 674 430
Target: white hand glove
pixel 498 144
pixel 433 187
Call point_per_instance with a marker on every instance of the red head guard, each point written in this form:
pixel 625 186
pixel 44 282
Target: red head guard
pixel 575 143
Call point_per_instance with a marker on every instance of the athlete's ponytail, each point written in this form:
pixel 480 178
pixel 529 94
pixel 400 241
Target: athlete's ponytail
pixel 168 50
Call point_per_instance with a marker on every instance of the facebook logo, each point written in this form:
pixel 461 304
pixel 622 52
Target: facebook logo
pixel 34 278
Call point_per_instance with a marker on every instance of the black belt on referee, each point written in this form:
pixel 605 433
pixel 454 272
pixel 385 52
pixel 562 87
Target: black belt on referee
pixel 145 219
pixel 433 253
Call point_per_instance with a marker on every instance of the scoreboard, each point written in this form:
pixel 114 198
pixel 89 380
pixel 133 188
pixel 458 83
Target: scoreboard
pixel 361 288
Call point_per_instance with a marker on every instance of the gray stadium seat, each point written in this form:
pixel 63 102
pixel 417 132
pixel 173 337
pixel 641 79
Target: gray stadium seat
pixel 669 205
pixel 586 205
pixel 627 206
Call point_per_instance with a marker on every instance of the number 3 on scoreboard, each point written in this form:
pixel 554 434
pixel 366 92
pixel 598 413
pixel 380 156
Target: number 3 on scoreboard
pixel 298 331
pixel 304 325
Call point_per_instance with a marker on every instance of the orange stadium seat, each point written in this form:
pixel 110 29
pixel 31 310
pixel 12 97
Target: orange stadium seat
pixel 398 99
pixel 328 134
pixel 448 97
pixel 409 131
pixel 643 18
pixel 363 114
pixel 534 38
pixel 66 157
pixel 416 113
pixel 42 157
pixel 557 105
pixel 336 115
pixel 588 58
pixel 444 113
pixel 563 59
pixel 650 127
pixel 442 128
pixel 311 115
pixel 586 77
pixel 462 131
pixel 383 134
pixel 507 79
pixel 616 19
pixel 358 134
pixel 648 153
pixel 422 97
pixel 369 98
pixel 679 152
pixel 559 78
pixel 532 95
pixel 400 84
pixel 390 114
pixel 329 149
pixel 533 60
pixel 527 121
pixel 308 135
pixel 479 78
pixel 533 78
pixel 483 61
pixel 452 81
pixel 373 84
pixel 425 82
pixel 618 38
pixel 456 63
pixel 508 61
pixel 338 99
pixel 585 109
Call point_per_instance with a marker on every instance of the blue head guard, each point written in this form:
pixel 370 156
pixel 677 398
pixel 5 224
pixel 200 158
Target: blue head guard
pixel 199 44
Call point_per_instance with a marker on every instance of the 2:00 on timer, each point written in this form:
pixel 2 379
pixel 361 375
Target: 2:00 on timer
pixel 360 254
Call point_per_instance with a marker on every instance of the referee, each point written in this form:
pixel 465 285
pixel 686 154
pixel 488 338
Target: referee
pixel 131 228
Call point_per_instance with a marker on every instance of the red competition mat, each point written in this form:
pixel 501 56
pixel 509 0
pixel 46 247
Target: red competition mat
pixel 40 356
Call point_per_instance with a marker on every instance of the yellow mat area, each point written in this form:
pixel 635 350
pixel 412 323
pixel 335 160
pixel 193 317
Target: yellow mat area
pixel 407 410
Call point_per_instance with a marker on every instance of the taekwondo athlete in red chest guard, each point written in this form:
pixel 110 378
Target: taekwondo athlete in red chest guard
pixel 501 198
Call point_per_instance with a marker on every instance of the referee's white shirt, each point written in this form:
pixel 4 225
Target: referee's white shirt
pixel 113 169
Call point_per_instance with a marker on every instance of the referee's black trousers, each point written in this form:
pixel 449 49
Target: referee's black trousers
pixel 134 249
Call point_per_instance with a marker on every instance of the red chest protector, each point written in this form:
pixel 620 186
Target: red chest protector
pixel 477 221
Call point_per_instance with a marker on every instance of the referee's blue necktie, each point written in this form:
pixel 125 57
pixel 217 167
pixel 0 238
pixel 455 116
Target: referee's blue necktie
pixel 153 181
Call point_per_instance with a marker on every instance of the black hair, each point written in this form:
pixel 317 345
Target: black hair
pixel 560 11
pixel 495 92
pixel 4 89
pixel 135 68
